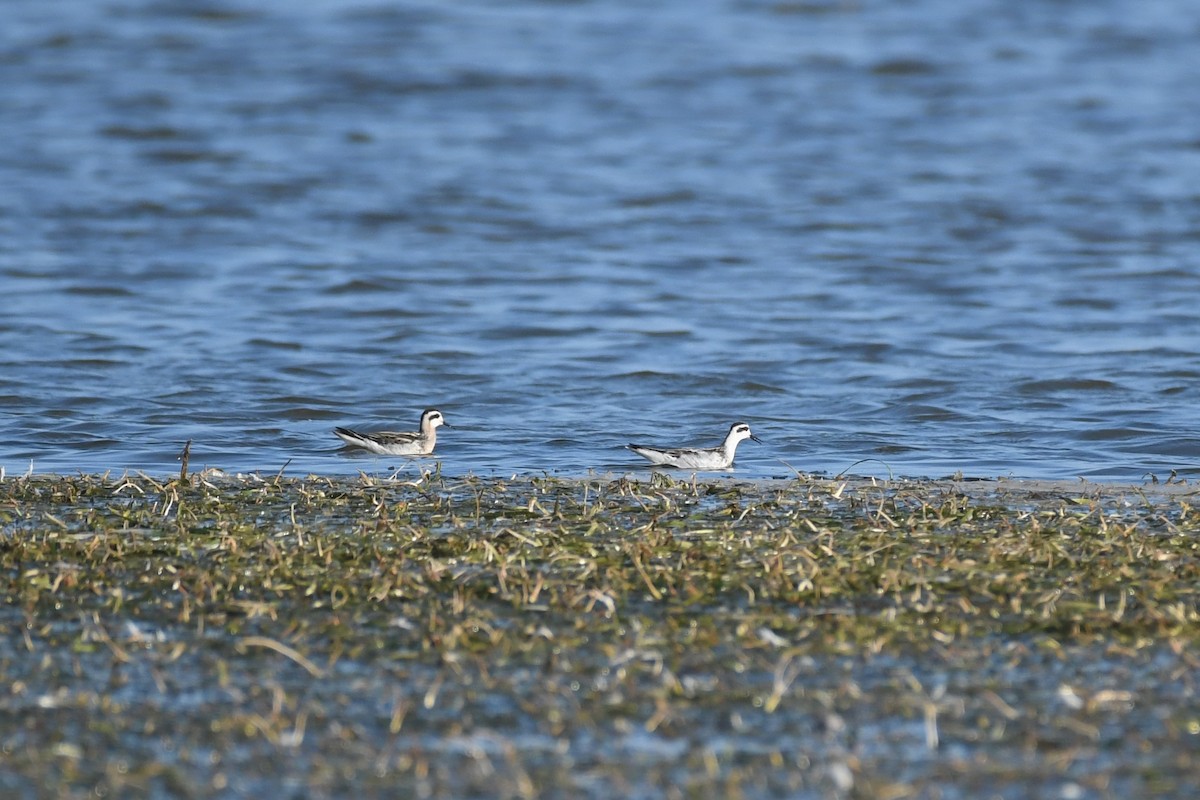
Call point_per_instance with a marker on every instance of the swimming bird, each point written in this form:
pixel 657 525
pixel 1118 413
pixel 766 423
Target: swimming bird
pixel 399 443
pixel 695 457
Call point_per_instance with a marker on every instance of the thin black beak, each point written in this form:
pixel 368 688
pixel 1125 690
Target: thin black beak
pixel 755 438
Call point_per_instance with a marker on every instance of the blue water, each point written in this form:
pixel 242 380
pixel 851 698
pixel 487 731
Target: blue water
pixel 941 235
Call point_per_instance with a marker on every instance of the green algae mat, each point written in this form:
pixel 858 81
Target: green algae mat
pixel 603 637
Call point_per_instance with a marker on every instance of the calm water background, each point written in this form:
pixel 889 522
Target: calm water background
pixel 946 235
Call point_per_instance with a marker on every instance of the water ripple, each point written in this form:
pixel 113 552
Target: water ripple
pixel 569 224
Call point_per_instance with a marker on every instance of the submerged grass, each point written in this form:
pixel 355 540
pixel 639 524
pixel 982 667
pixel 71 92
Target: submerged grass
pixel 600 637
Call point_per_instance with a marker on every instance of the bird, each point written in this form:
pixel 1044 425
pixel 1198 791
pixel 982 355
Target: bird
pixel 398 443
pixel 696 457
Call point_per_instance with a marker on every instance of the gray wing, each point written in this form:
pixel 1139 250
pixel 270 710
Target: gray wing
pixel 379 437
pixel 394 437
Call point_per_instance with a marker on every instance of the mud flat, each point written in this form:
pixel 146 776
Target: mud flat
pixel 603 637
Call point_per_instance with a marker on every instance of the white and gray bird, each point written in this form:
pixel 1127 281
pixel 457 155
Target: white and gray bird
pixel 696 457
pixel 398 443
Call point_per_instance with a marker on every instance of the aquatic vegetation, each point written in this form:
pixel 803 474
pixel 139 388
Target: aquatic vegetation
pixel 452 637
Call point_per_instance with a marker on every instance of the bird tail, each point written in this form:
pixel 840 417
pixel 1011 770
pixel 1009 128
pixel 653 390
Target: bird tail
pixel 348 436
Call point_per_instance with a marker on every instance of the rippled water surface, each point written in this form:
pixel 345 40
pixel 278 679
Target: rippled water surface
pixel 948 236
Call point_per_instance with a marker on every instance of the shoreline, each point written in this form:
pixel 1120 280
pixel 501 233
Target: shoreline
pixel 1007 486
pixel 433 468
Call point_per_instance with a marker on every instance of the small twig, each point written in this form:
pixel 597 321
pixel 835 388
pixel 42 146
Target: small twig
pixel 283 650
pixel 183 460
pixel 864 461
pixel 799 474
